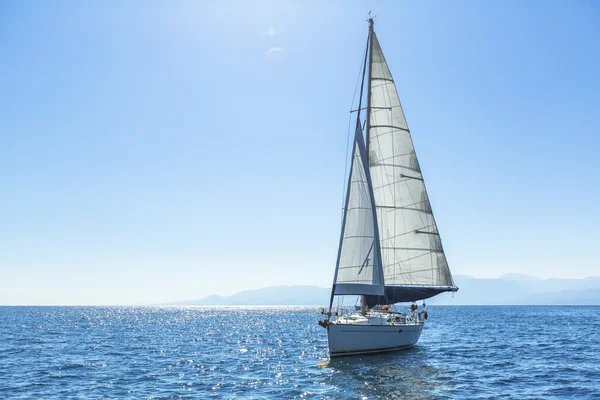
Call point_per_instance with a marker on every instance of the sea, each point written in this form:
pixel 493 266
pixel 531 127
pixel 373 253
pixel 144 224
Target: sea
pixel 465 352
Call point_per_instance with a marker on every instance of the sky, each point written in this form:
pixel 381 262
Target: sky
pixel 159 151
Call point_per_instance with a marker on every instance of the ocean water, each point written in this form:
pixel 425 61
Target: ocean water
pixel 278 353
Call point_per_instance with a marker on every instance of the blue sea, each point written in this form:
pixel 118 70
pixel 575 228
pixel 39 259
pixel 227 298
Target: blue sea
pixel 281 352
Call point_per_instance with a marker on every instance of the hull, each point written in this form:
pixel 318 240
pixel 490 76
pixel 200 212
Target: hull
pixel 352 339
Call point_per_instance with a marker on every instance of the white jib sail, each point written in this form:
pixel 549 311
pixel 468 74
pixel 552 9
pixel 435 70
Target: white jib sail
pixel 358 269
pixel 411 249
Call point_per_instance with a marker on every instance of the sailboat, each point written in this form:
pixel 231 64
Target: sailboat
pixel 390 249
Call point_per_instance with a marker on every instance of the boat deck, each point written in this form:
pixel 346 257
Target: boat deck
pixel 378 318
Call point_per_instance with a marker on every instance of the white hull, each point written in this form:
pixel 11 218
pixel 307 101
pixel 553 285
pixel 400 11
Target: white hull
pixel 355 338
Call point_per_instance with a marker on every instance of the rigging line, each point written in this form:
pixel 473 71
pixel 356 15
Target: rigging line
pixel 347 196
pixel 412 258
pixel 417 270
pixel 348 134
pixel 362 84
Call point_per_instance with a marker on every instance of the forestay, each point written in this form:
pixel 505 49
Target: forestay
pixel 358 269
pixel 413 260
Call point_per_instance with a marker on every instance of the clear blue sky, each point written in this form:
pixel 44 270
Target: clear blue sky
pixel 156 151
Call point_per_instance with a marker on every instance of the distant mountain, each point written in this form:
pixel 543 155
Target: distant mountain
pixel 519 277
pixel 515 289
pixel 511 289
pixel 274 295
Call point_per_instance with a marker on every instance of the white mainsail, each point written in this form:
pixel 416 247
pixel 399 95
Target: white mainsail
pixel 358 269
pixel 414 263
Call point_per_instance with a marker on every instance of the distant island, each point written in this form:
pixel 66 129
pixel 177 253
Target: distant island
pixel 510 289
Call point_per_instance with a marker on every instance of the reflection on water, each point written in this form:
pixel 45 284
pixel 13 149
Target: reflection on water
pixel 404 374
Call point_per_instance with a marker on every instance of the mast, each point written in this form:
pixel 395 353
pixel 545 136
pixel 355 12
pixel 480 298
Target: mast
pixel 370 47
pixel 363 300
pixel 362 163
pixel 368 59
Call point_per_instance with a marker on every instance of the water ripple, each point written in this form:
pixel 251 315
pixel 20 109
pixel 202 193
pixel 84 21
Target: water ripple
pixel 263 353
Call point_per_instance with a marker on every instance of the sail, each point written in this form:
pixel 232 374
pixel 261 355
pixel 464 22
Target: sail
pixel 413 259
pixel 358 269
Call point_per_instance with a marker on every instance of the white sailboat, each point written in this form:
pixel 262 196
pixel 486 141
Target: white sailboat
pixel 390 249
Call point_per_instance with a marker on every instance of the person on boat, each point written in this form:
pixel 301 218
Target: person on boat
pixel 423 313
pixel 413 307
pixel 386 307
